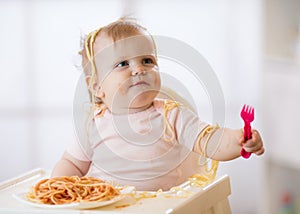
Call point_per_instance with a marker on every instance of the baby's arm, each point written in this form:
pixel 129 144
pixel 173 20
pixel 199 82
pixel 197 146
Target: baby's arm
pixel 225 144
pixel 68 166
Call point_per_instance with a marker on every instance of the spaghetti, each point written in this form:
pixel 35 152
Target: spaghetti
pixel 64 189
pixel 201 178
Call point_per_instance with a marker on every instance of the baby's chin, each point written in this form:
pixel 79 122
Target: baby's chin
pixel 143 99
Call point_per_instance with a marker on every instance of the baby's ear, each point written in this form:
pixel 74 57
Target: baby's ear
pixel 96 87
pixel 90 85
pixel 88 82
pixel 99 93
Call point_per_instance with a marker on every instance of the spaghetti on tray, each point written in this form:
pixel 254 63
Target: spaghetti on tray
pixel 64 189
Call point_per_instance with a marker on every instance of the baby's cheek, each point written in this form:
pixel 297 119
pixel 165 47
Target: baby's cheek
pixel 157 81
pixel 121 88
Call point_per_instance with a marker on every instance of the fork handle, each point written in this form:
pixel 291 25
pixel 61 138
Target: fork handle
pixel 247 136
pixel 247 131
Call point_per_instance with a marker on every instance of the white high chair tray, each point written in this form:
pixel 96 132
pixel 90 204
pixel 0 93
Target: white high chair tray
pixel 211 199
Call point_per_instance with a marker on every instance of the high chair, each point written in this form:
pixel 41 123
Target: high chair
pixel 212 199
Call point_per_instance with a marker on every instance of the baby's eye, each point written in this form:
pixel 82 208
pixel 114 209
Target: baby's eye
pixel 148 61
pixel 122 64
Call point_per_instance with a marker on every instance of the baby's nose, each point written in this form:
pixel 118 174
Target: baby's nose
pixel 138 69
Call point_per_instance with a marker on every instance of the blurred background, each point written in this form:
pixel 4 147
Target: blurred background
pixel 252 45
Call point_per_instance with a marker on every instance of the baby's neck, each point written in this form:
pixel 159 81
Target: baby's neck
pixel 132 110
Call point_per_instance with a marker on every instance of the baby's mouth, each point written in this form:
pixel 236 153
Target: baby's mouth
pixel 139 83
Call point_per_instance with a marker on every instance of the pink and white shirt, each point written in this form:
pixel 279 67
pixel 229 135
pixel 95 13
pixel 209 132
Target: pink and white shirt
pixel 131 150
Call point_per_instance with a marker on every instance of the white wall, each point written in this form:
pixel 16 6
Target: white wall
pixel 37 79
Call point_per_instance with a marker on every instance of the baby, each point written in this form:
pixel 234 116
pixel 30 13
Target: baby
pixel 134 138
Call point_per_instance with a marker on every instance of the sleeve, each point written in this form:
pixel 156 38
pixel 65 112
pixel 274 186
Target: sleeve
pixel 82 148
pixel 187 126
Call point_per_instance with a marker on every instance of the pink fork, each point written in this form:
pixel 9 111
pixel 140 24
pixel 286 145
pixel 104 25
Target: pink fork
pixel 247 115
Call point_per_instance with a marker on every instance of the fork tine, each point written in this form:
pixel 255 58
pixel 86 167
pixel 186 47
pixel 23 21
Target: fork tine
pixel 247 109
pixel 244 108
pixel 252 111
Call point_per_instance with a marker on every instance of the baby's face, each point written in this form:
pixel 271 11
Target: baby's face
pixel 128 72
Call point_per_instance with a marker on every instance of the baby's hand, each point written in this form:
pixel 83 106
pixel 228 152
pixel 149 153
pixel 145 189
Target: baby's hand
pixel 254 145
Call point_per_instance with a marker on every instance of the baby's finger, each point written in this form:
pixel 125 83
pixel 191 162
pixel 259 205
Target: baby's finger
pixel 251 149
pixel 261 151
pixel 255 136
pixel 252 146
pixel 241 140
pixel 256 139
